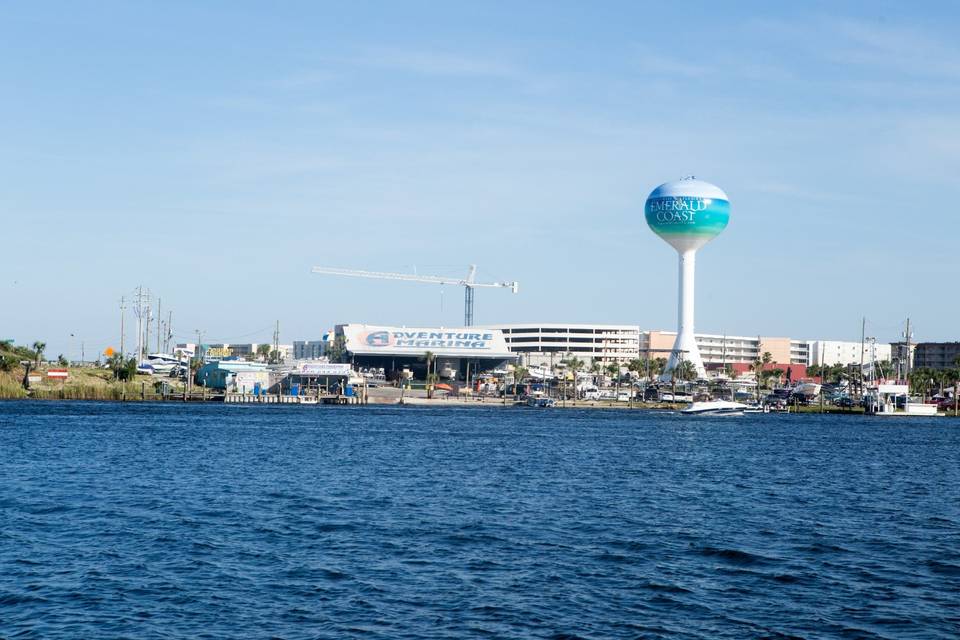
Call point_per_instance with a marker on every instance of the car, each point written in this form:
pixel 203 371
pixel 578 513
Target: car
pixel 946 404
pixel 845 402
pixel 590 393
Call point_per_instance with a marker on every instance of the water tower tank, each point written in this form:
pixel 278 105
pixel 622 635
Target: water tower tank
pixel 688 214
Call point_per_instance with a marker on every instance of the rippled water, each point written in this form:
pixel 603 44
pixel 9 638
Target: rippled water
pixel 171 521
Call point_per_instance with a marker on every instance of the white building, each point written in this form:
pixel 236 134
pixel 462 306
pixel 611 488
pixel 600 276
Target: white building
pixel 834 352
pixel 549 343
pixel 223 350
pixel 309 349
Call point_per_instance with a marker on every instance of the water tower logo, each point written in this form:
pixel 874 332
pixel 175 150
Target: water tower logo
pixel 687 214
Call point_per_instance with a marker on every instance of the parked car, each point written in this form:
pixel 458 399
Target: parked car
pixel 844 402
pixel 945 404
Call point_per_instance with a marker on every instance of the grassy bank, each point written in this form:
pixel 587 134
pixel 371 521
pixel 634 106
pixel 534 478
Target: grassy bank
pixel 84 383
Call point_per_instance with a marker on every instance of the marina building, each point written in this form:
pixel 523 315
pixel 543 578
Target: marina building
pixel 457 351
pixel 936 355
pixel 834 352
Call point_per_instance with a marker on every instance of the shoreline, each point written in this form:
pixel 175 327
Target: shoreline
pixel 421 402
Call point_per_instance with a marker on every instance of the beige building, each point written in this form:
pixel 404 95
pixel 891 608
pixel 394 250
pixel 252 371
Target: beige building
pixel 549 343
pixel 717 350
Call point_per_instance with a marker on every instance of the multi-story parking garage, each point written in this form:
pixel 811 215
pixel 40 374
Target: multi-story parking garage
pixel 548 343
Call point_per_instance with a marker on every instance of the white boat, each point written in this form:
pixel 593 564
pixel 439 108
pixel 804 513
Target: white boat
pixel 160 364
pixel 882 400
pixel 540 402
pixel 715 408
pixel 807 389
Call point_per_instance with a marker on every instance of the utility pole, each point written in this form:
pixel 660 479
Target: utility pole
pixel 907 363
pixel 146 326
pixel 863 332
pixel 122 309
pixel 276 344
pixel 138 311
pixel 142 311
pixel 723 356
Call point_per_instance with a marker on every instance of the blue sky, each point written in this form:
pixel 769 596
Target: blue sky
pixel 214 152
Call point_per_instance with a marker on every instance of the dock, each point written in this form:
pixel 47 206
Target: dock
pixel 267 398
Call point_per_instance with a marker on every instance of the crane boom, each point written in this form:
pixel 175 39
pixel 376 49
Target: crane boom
pixel 410 277
pixel 468 283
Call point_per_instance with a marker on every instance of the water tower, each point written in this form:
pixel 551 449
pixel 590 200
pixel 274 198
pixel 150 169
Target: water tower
pixel 687 214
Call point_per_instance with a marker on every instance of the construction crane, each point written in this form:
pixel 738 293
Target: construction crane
pixel 467 283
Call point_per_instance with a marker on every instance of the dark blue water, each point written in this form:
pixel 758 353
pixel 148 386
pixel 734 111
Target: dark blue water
pixel 171 521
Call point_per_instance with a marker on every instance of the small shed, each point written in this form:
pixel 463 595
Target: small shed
pixel 234 375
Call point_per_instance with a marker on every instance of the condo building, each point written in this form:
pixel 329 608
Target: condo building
pixel 834 352
pixel 936 355
pixel 717 350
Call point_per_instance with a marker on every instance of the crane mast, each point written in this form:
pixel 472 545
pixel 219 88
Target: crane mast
pixel 468 283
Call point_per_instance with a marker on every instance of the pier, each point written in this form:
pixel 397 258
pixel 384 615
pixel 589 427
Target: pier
pixel 265 398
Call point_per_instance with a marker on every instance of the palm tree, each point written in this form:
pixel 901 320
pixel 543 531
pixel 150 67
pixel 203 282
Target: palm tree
pixel 920 380
pixel 758 374
pixel 429 357
pixel 337 350
pixel 943 378
pixel 955 374
pixel 685 371
pixel 39 348
pixel 263 351
pixel 614 370
pixel 657 366
pixel 574 364
pixel 519 373
pixel 778 374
